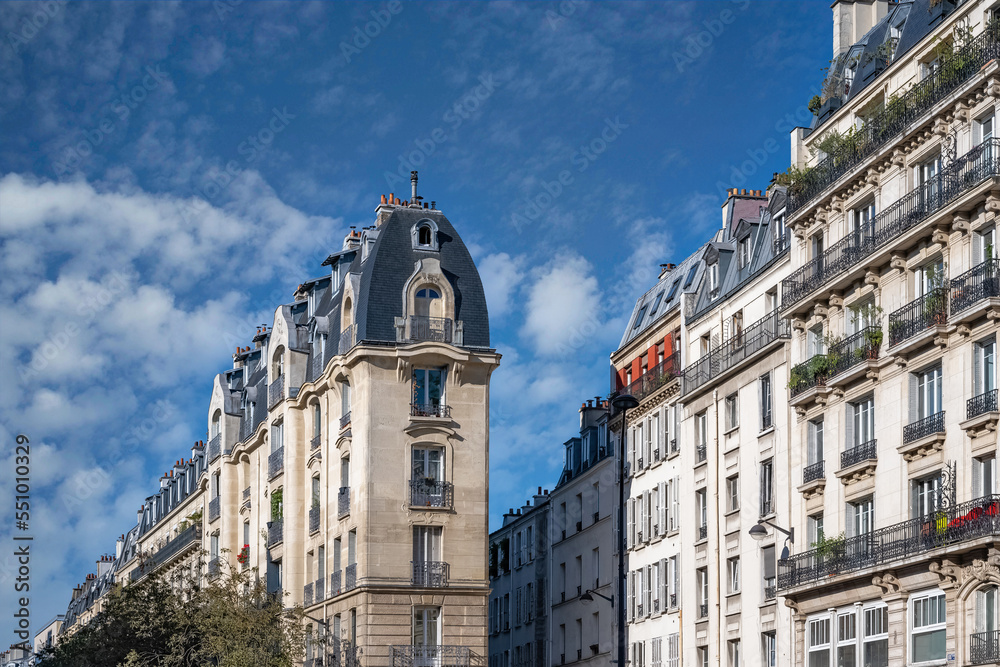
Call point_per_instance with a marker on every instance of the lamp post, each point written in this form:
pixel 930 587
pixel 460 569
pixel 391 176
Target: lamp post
pixel 623 404
pixel 759 532
pixel 588 597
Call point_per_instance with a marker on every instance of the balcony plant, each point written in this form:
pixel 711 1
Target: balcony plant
pixel 830 550
pixel 936 299
pixel 244 555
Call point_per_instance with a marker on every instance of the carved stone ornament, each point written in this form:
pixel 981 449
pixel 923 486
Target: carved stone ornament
pixel 402 370
pixel 889 584
pixel 949 573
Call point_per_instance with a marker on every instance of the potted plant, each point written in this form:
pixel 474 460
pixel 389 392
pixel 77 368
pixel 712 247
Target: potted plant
pixel 819 369
pixel 244 555
pixel 936 298
pixel 830 550
pixel 796 378
pixel 873 340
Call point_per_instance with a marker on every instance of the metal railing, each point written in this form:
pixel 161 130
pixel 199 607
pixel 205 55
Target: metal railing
pixel 810 373
pixel 702 532
pixel 981 404
pixel 430 410
pixel 215 447
pixel 314 520
pixel 421 328
pixel 431 493
pixel 960 523
pixel 659 375
pixel 214 508
pixel 307 595
pixel 335 583
pixel 813 472
pixel 953 181
pixel 319 588
pixel 980 282
pixel 276 391
pixel 346 341
pixel 893 118
pixel 430 656
pixel 919 315
pixel 275 462
pixel 246 497
pixel 866 451
pixel 700 453
pixel 766 505
pixel 673 600
pixel 924 427
pixel 246 427
pixel 275 532
pixel 703 610
pixel 184 539
pixel 429 573
pixel 741 346
pixel 984 647
pixel 855 349
pixel 350 577
pixel 770 590
pixel 345 420
pixel 343 502
pixel 315 366
pixel 315 442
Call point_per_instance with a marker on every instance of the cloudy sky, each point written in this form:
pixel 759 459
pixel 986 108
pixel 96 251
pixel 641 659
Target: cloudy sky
pixel 170 172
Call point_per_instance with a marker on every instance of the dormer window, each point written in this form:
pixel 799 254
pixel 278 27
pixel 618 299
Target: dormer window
pixel 425 235
pixel 713 279
pixel 744 245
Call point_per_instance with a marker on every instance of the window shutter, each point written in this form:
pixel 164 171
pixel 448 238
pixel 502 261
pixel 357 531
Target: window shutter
pixel 647 597
pixel 675 504
pixel 647 451
pixel 977 369
pixel 977 248
pixel 631 522
pixel 913 399
pixel 849 514
pixel 914 500
pixel 977 479
pixel 852 411
pixel 981 609
pixel 663 508
pixel 648 525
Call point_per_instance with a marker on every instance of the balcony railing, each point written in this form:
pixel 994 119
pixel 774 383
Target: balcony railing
pixel 813 472
pixel 741 346
pixel 275 462
pixel 215 447
pixel 430 656
pixel 853 350
pixel 314 520
pixel 246 497
pixel 866 451
pixel 886 124
pixel 810 373
pixel 984 647
pixel 430 410
pixel 975 285
pixel 315 442
pixel 429 573
pixel 770 590
pixel 918 316
pixel 214 508
pixel 307 595
pixel 700 453
pixel 350 577
pixel 662 373
pixel 421 328
pixel 431 493
pixel 703 610
pixel 924 427
pixel 952 182
pixel 673 600
pixel 335 583
pixel 960 523
pixel 981 404
pixel 766 505
pixel 343 502
pixel 316 366
pixel 347 340
pixel 189 537
pixel 702 532
pixel 276 391
pixel 275 532
pixel 246 427
pixel 345 420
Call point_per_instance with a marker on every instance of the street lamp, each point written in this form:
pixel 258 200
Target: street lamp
pixel 759 532
pixel 622 403
pixel 588 597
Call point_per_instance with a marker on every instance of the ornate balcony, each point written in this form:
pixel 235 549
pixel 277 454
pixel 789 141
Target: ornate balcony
pixel 981 404
pixel 924 427
pixel 335 584
pixel 343 502
pixel 658 376
pixel 866 451
pixel 345 420
pixel 702 532
pixel 701 453
pixel 740 347
pixel 429 574
pixel 976 285
pixel 918 316
pixel 307 595
pixel 276 391
pixel 809 374
pixel 880 129
pixel 431 493
pixel 319 588
pixel 430 656
pixel 984 647
pixel 316 366
pixel 315 442
pixel 422 328
pixel 214 447
pixel 954 180
pixel 275 532
pixel 314 520
pixel 350 577
pixel 275 463
pixel 703 610
pixel 963 522
pixel 347 340
pixel 813 472
pixel 214 508
pixel 430 410
pixel 187 539
pixel 854 351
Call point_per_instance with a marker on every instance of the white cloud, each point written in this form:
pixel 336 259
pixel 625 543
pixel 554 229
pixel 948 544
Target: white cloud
pixel 562 304
pixel 501 275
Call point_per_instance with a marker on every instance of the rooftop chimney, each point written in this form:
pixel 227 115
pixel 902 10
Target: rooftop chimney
pixel 413 188
pixel 852 19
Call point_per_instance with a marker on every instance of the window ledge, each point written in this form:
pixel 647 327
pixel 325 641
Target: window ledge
pixel 731 430
pixel 767 431
pixel 731 512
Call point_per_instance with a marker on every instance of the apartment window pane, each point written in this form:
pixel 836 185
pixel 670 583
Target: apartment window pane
pixel 929 626
pixel 819 642
pixel 876 637
pixel 733 493
pixel 732 412
pixel 765 402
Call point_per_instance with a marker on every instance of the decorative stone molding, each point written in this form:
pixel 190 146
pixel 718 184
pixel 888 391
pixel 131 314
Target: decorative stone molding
pixel 993 88
pixel 402 370
pixel 962 112
pixel 941 127
pixel 858 472
pixel 948 573
pixel 993 203
pixel 798 324
pixel 890 585
pixel 812 489
pixel 898 158
pixel 872 276
pixel 836 300
pixel 837 204
pixel 820 311
pixel 456 373
pixel 872 177
pixel 940 237
pixel 898 262
pixel 922 447
pixel 960 222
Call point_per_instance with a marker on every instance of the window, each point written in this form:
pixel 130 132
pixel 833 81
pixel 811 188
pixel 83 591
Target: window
pixel 734 653
pixel 860 517
pixel 733 570
pixel 639 318
pixel 744 251
pixel 713 279
pixel 984 245
pixel 986 609
pixel 816 244
pixel 847 635
pixel 315 492
pixel 703 592
pixel 345 472
pixel 732 412
pixel 814 341
pixel 984 474
pixel 984 367
pixel 277 436
pixel 701 436
pixel 690 276
pixel 861 422
pixel 656 303
pixel 423 235
pixel 815 442
pixel 345 399
pixel 703 656
pixel 428 388
pixel 814 528
pixel 765 402
pixel 427 475
pixel 927 177
pixel 769 648
pixel 984 128
pixel 674 650
pixel 927 399
pixel 673 289
pixel 928 626
pixel 768 572
pixel 317 420
pixel 875 645
pixel 925 495
pixel 701 503
pixel 819 642
pixel 766 487
pixel 733 493
pixel 928 277
pixel 426 626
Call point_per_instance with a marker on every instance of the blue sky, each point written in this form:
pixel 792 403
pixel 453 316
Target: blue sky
pixel 170 172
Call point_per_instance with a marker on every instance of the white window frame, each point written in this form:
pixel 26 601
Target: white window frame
pixel 919 605
pixel 817 630
pixel 732 403
pixel 733 572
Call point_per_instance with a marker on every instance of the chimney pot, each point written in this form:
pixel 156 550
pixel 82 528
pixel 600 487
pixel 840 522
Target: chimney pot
pixel 384 200
pixel 433 204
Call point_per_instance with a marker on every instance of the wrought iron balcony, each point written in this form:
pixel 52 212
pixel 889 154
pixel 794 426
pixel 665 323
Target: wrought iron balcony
pixel 345 420
pixel 975 285
pixel 316 366
pixel 659 375
pixel 215 447
pixel 214 508
pixel 924 427
pixel 675 446
pixel 335 583
pixel 214 568
pixel 639 610
pixel 307 595
pixel 866 451
pixel 430 492
pixel 314 519
pixel 740 347
pixel 319 588
pixel 246 497
pixel 315 442
pixel 766 506
pixel 347 340
pixel 276 391
pixel 429 573
pixel 275 532
pixel 700 453
pixel 430 410
pixel 770 590
pixel 813 472
pixel 943 528
pixel 275 463
pixel 246 427
pixel 702 532
pixel 810 373
pixel 673 600
pixel 341 653
pixel 350 577
pixel 190 537
pixel 984 647
pixel 954 180
pixel 918 316
pixel 703 610
pixel 885 125
pixel 981 404
pixel 854 350
pixel 422 328
pixel 430 656
pixel 343 502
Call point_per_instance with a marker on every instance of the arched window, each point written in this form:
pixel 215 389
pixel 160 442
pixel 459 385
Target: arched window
pixel 317 420
pixel 216 422
pixel 278 363
pixel 427 302
pixel 424 235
